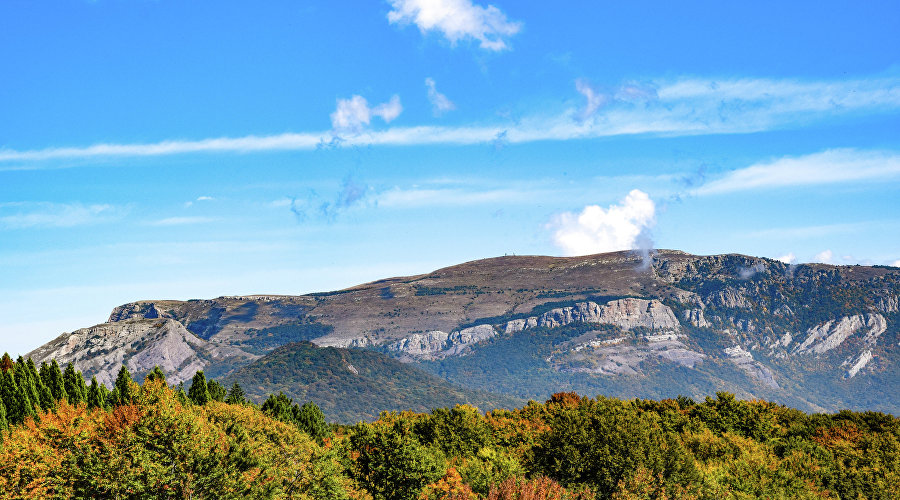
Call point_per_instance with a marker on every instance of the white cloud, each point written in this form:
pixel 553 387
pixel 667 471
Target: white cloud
pixel 595 99
pixel 825 257
pixel 788 258
pixel 827 167
pixel 596 230
pixel 896 263
pixel 439 102
pixel 354 114
pixel 181 221
pixel 40 214
pixel 456 20
pixel 681 107
pixel 205 198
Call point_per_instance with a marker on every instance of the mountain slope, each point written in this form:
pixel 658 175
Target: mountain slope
pixel 351 384
pixel 816 336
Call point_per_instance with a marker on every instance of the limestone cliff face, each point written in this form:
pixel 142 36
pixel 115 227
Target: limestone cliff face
pixel 437 344
pixel 833 334
pixel 139 344
pixel 624 313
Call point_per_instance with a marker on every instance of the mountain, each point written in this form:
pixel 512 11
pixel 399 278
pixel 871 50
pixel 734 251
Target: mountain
pixel 815 336
pixel 354 384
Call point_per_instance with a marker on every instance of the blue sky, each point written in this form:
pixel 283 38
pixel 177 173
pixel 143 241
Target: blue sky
pixel 163 149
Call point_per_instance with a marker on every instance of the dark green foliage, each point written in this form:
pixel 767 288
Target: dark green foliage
pixel 45 397
pixel 236 395
pixel 157 374
pixel 124 391
pixel 27 384
pixel 53 379
pixel 74 384
pixel 308 418
pixel 458 431
pixel 392 463
pixel 199 391
pixel 216 390
pixel 353 384
pixel 95 397
pixel 18 405
pixel 4 425
pixel 601 442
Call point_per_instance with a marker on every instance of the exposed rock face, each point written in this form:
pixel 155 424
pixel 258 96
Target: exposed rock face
pixel 744 360
pixel 729 298
pixel 618 357
pixel 825 337
pixel 889 304
pixel 134 310
pixel 437 344
pixel 139 344
pixel 696 318
pixel 624 313
pixel 859 363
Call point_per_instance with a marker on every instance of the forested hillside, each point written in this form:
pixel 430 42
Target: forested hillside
pixel 63 438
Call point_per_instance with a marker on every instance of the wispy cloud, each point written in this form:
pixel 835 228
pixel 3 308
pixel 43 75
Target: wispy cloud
pixel 23 215
pixel 827 167
pixel 457 20
pixel 440 104
pixel 691 106
pixel 181 221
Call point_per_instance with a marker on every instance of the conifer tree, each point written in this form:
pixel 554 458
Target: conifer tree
pixel 18 406
pixel 157 374
pixel 124 392
pixel 180 395
pixel 26 384
pixel 44 396
pixel 199 392
pixel 74 392
pixel 54 380
pixel 6 363
pixel 216 390
pixel 236 395
pixel 95 398
pixel 3 424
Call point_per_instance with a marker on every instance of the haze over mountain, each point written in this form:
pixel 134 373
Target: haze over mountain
pixel 817 337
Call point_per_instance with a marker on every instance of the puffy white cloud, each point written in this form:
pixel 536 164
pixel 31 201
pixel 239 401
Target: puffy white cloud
pixel 788 258
pixel 456 20
pixel 825 257
pixel 439 102
pixel 595 229
pixel 355 114
pixel 896 263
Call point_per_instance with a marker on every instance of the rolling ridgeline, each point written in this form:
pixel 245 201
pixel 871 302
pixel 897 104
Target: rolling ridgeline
pixel 498 332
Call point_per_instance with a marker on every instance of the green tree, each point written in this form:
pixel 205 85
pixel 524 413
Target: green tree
pixel 236 395
pixel 125 389
pixel 45 397
pixel 310 419
pixel 199 392
pixel 391 463
pixel 216 390
pixel 156 374
pixel 95 397
pixel 74 387
pixel 3 423
pixel 27 384
pixel 18 406
pixel 53 379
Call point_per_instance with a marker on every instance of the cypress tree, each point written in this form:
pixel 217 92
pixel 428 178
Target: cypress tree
pixel 156 374
pixel 54 380
pixel 44 395
pixel 180 395
pixel 27 385
pixel 3 424
pixel 6 363
pixel 74 392
pixel 95 398
pixel 124 391
pixel 199 392
pixel 236 395
pixel 18 406
pixel 216 390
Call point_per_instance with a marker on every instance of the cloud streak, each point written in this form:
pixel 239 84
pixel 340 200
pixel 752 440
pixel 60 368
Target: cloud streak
pixel 25 215
pixel 828 167
pixel 678 108
pixel 440 104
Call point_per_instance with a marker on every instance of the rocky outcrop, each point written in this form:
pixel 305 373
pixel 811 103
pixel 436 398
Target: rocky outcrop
pixel 744 360
pixel 619 357
pixel 829 335
pixel 139 344
pixel 624 313
pixel 133 310
pixel 889 304
pixel 437 344
pixel 696 318
pixel 858 363
pixel 731 298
